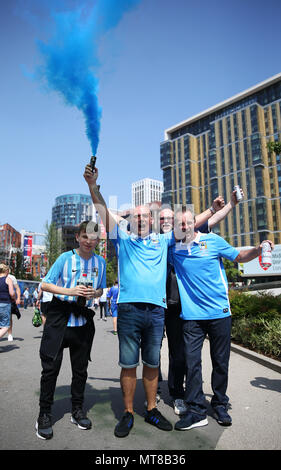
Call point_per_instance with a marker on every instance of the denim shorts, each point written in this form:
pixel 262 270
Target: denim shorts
pixel 5 315
pixel 140 326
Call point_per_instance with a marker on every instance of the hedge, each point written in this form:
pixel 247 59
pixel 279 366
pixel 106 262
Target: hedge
pixel 256 321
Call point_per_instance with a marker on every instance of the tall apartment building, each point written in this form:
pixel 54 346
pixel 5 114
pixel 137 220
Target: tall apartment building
pixel 72 209
pixel 226 145
pixel 146 191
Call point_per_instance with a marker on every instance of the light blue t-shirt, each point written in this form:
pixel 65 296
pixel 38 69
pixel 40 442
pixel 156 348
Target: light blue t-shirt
pixel 113 294
pixel 68 269
pixel 201 276
pixel 142 266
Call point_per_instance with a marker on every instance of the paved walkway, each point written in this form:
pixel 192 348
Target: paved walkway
pixel 254 391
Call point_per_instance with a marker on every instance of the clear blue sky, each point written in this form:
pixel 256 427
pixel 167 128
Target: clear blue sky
pixel 164 62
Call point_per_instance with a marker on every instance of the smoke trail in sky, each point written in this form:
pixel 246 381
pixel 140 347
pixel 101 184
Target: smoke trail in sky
pixel 70 56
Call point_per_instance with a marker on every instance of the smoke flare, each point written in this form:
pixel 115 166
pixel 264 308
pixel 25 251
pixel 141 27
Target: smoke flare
pixel 70 58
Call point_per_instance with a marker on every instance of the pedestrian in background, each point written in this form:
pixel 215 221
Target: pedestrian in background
pixel 112 297
pixel 25 298
pixel 34 296
pixel 7 295
pixel 43 301
pixel 14 305
pixel 103 305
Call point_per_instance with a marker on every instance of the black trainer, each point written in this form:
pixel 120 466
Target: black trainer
pixel 125 425
pixel 79 418
pixel 222 416
pixel 44 426
pixel 191 420
pixel 155 418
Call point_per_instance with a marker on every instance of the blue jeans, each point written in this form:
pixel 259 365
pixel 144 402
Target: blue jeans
pixel 219 333
pixel 140 326
pixel 5 315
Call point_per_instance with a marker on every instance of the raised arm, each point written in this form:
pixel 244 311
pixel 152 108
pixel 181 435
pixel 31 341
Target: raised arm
pixel 109 220
pixel 222 213
pixel 217 205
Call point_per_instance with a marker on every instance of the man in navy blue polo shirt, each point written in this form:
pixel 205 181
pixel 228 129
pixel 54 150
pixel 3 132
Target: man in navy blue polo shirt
pixel 203 287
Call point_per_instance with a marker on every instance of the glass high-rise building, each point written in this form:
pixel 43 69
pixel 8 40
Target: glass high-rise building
pixel 226 145
pixel 72 209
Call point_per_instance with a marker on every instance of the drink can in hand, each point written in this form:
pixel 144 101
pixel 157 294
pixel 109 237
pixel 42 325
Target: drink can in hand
pixel 266 255
pixel 239 195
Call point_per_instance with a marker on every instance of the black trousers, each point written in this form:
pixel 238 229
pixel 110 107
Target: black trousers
pixel 74 339
pixel 177 364
pixel 103 306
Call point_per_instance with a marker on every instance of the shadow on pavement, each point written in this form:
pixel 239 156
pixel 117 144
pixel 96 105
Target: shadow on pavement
pixel 6 347
pixel 267 384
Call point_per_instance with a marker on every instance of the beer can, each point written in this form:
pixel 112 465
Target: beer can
pixel 83 281
pixel 266 255
pixel 239 196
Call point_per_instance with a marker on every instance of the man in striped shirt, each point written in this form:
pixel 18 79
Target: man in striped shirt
pixel 75 279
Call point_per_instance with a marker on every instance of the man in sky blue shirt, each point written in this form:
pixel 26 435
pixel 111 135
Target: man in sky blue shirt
pixel 173 322
pixel 142 271
pixel 203 287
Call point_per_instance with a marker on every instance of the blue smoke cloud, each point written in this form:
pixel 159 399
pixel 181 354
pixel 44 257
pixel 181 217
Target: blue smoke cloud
pixel 70 59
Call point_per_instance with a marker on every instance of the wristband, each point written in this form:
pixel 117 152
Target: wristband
pixel 212 210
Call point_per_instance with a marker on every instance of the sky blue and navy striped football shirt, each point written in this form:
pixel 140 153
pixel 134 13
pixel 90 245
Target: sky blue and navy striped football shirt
pixel 68 269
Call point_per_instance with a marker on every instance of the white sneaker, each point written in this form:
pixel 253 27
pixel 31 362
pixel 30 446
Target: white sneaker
pixel 10 338
pixel 158 398
pixel 180 407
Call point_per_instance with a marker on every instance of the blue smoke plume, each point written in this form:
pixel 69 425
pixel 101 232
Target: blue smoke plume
pixel 70 58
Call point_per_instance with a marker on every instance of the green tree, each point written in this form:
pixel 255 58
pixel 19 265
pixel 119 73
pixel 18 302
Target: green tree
pixel 54 244
pixel 18 271
pixel 231 271
pixel 274 147
pixel 111 272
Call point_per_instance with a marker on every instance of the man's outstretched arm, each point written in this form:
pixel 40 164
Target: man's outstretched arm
pixel 247 255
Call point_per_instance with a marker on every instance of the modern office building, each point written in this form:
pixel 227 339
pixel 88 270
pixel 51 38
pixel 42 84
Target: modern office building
pixel 226 145
pixel 72 209
pixel 146 191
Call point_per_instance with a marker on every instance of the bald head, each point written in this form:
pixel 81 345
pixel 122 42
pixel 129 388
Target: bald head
pixel 141 221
